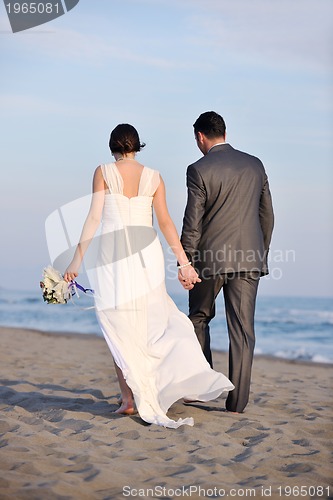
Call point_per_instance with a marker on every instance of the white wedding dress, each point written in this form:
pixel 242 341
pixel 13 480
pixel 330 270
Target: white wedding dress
pixel 152 342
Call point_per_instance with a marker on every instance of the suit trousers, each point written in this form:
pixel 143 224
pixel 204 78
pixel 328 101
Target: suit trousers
pixel 240 291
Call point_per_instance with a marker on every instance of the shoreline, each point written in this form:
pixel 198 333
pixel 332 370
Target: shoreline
pixel 60 437
pixel 270 357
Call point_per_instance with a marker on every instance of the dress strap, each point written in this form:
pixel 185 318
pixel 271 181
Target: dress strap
pixel 149 182
pixel 113 181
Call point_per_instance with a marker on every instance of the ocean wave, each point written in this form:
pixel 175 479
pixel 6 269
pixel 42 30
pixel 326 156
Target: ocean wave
pixel 31 300
pixel 325 316
pixel 289 328
pixel 301 318
pixel 302 355
pixel 296 356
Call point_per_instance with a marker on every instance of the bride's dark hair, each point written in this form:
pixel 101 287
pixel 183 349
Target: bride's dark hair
pixel 125 139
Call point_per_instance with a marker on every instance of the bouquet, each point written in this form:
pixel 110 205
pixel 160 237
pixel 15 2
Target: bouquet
pixel 56 290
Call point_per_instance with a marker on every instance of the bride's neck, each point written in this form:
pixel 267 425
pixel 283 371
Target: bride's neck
pixel 126 156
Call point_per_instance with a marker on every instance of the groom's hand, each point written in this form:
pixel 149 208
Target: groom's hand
pixel 185 284
pixel 188 277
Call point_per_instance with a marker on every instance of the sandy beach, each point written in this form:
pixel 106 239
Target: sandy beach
pixel 59 437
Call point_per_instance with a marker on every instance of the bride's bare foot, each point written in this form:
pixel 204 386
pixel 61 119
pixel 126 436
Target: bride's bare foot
pixel 188 401
pixel 125 400
pixel 126 409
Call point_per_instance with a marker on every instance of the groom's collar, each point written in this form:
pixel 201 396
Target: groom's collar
pixel 217 144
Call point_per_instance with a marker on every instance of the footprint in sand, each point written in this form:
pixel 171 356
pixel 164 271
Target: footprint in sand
pixel 294 470
pixel 129 435
pixel 301 442
pixel 6 427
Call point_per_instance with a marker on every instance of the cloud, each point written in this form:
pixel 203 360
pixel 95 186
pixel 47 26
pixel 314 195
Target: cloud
pixel 278 33
pixel 11 103
pixel 95 50
pixel 73 45
pixel 31 105
pixel 281 33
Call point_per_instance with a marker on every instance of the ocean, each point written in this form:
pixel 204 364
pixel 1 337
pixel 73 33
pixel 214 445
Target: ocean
pixel 286 327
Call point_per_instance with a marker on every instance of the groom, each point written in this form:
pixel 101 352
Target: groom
pixel 226 233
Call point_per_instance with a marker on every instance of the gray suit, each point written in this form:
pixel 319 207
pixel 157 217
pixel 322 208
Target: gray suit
pixel 227 229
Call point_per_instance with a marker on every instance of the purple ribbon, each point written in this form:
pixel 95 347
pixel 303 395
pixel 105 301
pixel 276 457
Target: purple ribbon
pixel 74 284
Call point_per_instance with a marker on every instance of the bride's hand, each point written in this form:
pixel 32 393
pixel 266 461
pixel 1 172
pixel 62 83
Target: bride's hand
pixel 70 274
pixel 188 277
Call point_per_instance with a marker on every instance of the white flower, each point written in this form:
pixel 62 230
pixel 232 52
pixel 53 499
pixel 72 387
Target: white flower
pixel 61 291
pixel 48 283
pixel 55 288
pixel 53 274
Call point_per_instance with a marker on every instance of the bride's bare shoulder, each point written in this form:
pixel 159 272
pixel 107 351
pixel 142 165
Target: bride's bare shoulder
pixel 98 179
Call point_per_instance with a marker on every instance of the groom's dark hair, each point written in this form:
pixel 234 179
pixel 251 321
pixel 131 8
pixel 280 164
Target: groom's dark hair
pixel 210 124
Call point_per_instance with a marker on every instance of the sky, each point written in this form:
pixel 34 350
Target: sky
pixel 265 66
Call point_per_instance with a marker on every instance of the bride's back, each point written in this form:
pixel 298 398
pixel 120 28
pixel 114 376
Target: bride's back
pixel 130 172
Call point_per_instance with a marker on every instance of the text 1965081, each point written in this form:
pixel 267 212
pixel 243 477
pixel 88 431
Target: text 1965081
pixel 33 8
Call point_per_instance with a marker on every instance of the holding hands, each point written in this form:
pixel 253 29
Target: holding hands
pixel 188 276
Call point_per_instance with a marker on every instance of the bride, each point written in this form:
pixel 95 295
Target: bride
pixel 157 356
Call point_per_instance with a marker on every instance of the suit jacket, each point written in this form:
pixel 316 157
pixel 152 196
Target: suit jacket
pixel 229 218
